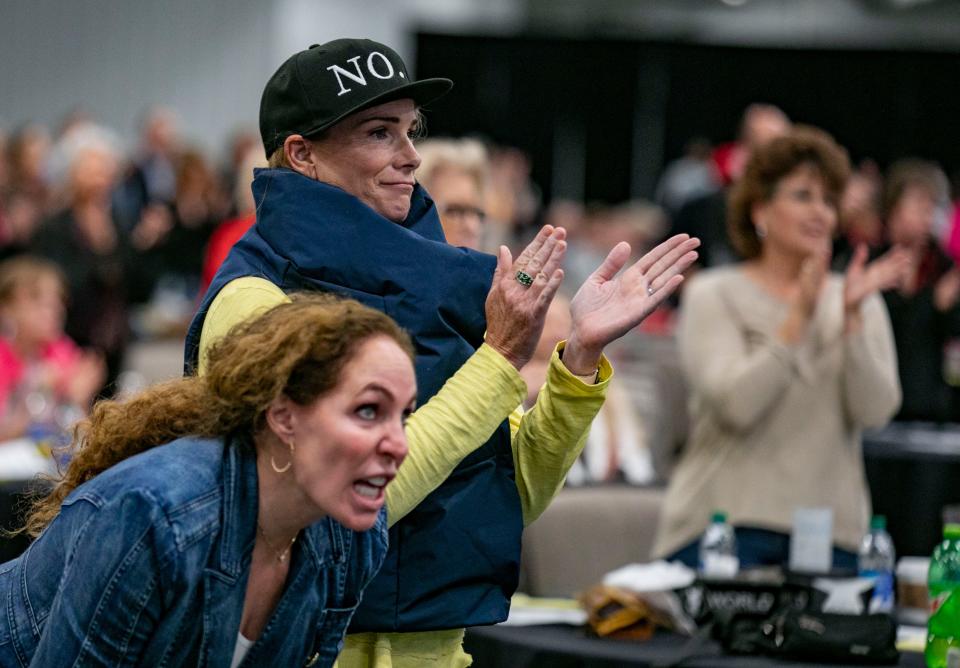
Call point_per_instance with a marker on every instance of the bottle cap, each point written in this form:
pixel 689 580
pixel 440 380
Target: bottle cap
pixel 878 522
pixel 951 531
pixel 719 517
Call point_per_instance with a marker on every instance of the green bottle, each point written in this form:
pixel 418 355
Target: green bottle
pixel 943 629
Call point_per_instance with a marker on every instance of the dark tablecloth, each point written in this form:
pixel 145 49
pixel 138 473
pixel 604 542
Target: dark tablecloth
pixel 571 647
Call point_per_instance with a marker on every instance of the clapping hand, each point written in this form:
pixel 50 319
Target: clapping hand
pixel 946 292
pixel 609 305
pixel 516 310
pixel 813 272
pixel 862 279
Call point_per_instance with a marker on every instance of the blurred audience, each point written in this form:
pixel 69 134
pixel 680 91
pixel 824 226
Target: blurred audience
pixel 924 310
pixel 87 240
pixel 144 230
pixel 786 364
pixel 46 381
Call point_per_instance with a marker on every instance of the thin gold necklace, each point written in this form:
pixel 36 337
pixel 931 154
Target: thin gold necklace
pixel 281 554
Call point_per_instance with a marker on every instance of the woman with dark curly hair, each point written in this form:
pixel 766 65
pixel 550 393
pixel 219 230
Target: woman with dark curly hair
pixel 223 519
pixel 786 364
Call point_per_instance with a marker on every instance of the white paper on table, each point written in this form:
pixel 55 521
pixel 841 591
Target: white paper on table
pixel 20 459
pixel 655 576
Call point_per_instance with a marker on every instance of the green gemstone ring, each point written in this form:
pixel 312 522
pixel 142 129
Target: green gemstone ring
pixel 524 279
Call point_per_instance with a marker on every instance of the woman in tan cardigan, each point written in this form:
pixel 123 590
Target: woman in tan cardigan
pixel 786 364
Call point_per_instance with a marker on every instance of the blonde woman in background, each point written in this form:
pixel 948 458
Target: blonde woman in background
pixel 455 172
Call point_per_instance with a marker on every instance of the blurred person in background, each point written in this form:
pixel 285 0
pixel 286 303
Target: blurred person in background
pixel 786 364
pixel 616 447
pixel 860 214
pixel 24 191
pixel 73 127
pixel 177 258
pixel 230 231
pixel 19 220
pixel 242 142
pixel 151 181
pixel 924 309
pixel 705 217
pixel 952 242
pixel 689 177
pixel 229 519
pixel 340 210
pixel 512 199
pixel 87 239
pixel 454 172
pixel 46 380
pixel 599 226
pixel 27 151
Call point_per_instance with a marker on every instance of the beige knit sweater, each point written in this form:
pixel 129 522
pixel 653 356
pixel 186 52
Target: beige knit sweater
pixel 776 427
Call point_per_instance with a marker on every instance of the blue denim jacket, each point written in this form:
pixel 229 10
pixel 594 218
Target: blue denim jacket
pixel 147 565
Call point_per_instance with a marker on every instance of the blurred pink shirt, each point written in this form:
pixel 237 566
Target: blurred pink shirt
pixel 60 356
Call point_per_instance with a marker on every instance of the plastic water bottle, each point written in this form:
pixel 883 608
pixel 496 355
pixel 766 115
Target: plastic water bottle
pixel 876 560
pixel 718 549
pixel 943 629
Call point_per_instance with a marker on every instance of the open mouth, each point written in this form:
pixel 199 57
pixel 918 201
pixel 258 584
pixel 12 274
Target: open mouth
pixel 371 488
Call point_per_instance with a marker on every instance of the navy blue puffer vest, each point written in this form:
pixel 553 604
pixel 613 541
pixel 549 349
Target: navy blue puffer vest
pixel 454 560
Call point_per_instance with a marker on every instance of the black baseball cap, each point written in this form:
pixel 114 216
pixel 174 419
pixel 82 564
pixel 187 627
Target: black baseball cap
pixel 319 87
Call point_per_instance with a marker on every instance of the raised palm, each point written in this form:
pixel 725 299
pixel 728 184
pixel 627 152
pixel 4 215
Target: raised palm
pixel 609 305
pixel 862 279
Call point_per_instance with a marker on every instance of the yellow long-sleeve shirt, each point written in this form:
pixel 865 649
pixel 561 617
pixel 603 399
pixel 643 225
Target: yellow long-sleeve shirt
pixel 453 423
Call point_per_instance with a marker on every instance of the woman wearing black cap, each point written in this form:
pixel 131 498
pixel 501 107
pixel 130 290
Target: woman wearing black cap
pixel 340 210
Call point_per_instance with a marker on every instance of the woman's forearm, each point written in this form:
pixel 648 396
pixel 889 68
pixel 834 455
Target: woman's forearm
pixel 453 423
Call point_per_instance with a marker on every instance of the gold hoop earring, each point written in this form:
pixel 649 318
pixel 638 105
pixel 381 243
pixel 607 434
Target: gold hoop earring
pixel 284 469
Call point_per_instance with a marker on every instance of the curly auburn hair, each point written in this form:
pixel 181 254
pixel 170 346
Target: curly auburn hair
pixel 296 349
pixel 802 146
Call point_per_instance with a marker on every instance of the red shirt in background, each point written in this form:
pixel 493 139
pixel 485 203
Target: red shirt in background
pixel 221 241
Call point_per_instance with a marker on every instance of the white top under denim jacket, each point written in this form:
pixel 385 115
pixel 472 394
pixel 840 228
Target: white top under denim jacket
pixel 147 565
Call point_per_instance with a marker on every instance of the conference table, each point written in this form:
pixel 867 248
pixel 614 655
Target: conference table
pixel 564 646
